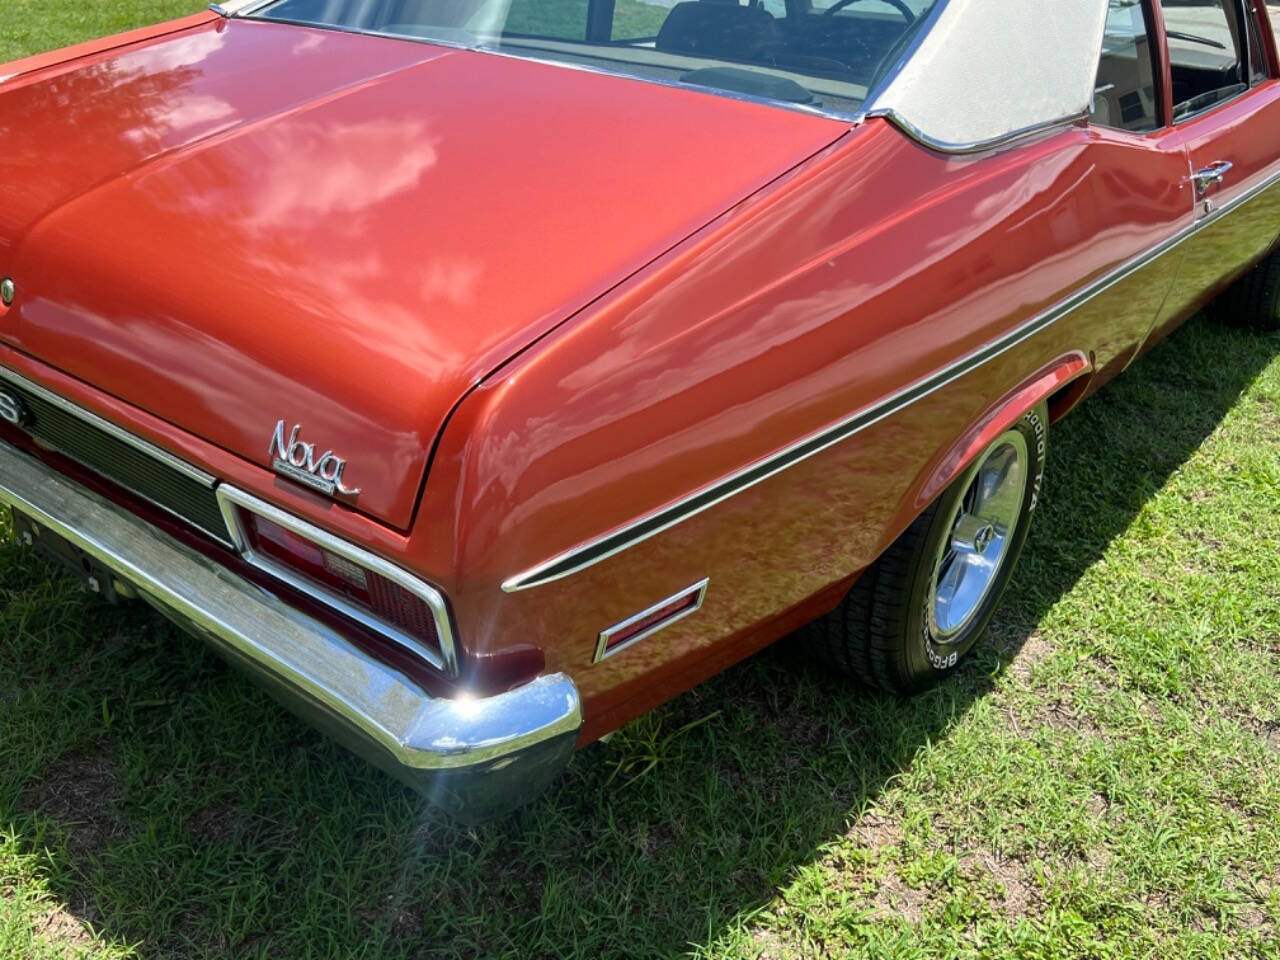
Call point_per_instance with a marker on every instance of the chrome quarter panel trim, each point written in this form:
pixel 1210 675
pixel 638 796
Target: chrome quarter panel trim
pixel 602 548
pixel 231 498
pixel 978 146
pixel 602 645
pixel 150 449
pixel 396 722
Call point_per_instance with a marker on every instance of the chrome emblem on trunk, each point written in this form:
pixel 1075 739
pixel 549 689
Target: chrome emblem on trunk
pixel 299 461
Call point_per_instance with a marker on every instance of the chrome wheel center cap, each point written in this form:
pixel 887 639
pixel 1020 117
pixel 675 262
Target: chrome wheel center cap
pixel 972 535
pixel 968 565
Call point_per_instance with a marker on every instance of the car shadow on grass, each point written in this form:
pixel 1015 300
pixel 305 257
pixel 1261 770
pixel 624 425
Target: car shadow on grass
pixel 182 811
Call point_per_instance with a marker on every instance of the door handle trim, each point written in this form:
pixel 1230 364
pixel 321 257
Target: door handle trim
pixel 1210 175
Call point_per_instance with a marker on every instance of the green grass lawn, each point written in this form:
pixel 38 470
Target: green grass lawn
pixel 1100 781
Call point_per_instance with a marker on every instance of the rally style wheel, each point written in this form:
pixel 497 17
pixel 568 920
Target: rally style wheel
pixel 913 615
pixel 1254 299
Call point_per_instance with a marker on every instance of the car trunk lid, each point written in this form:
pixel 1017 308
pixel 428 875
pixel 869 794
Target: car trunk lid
pixel 246 228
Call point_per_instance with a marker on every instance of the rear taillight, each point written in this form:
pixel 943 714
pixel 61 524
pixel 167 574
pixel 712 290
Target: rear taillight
pixel 358 585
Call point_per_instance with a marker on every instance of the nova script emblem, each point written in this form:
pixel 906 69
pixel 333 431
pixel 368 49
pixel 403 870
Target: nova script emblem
pixel 300 461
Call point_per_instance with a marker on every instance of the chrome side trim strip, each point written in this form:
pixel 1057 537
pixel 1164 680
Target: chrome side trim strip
pixel 1219 211
pixel 106 426
pixel 231 498
pixel 602 645
pixel 594 551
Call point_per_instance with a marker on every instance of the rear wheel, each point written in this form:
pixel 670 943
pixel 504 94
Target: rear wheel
pixel 1254 299
pixel 914 614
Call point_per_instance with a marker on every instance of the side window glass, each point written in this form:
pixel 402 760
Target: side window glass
pixel 638 19
pixel 1206 53
pixel 560 21
pixel 1124 95
pixel 642 19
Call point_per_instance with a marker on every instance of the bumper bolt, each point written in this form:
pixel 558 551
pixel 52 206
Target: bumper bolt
pixel 7 291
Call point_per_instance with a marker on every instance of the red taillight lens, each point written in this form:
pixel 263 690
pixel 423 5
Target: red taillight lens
pixel 371 592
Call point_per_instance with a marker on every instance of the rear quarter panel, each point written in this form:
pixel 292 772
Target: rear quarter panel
pixel 874 266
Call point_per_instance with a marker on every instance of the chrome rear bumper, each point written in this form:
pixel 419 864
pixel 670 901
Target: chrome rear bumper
pixel 474 757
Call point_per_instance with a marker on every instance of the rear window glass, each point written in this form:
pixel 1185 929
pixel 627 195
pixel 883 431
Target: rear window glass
pixel 816 53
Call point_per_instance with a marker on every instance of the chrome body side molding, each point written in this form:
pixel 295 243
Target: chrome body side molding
pixel 475 756
pixel 637 531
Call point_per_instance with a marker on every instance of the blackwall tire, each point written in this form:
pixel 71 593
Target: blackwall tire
pixel 918 610
pixel 1254 299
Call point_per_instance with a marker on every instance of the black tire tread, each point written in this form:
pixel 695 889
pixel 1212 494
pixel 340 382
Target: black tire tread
pixel 1254 299
pixel 859 638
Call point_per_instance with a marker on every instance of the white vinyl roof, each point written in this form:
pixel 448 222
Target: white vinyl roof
pixel 989 69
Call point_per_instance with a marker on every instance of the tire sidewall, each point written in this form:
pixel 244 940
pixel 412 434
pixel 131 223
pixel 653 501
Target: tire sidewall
pixel 927 662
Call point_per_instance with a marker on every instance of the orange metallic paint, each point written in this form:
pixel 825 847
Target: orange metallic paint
pixel 999 417
pixel 245 222
pixel 600 296
pixel 65 58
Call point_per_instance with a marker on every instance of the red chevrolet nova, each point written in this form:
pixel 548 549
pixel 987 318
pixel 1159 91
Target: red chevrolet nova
pixel 479 374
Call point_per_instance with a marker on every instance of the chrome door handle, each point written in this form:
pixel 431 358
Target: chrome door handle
pixel 1214 173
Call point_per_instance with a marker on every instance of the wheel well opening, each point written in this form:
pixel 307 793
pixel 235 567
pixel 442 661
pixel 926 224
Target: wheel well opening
pixel 1063 400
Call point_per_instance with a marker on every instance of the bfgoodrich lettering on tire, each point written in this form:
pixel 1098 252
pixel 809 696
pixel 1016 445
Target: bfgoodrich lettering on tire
pixel 914 614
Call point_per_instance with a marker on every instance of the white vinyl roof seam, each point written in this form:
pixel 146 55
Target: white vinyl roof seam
pixel 987 70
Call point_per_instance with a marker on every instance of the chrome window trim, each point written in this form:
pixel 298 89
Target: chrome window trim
pixel 907 54
pixel 867 106
pixel 1217 104
pixel 230 498
pixel 596 550
pixel 233 8
pixel 602 644
pixel 106 426
pixel 851 117
pixel 978 146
